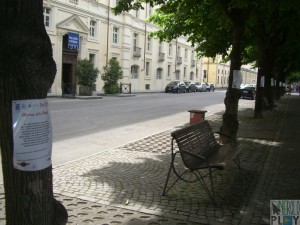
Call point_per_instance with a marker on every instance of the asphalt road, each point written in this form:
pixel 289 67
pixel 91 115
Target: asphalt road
pixel 74 117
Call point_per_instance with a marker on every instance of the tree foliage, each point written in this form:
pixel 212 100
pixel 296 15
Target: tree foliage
pixel 111 75
pixel 86 73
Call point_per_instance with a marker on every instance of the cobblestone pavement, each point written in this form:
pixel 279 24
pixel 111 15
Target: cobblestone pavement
pixel 124 185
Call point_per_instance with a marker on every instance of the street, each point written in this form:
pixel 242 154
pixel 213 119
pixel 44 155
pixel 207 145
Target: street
pixel 74 118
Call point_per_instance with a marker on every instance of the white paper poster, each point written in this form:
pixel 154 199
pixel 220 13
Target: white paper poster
pixel 262 81
pixel 32 134
pixel 237 79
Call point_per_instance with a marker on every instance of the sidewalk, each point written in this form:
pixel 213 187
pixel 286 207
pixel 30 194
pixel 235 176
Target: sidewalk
pixel 124 185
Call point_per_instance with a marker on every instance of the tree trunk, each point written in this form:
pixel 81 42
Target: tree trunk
pixel 27 71
pixel 260 90
pixel 230 121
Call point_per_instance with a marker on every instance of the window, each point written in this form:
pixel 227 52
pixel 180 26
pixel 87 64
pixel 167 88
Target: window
pixel 92 58
pixel 177 74
pixel 185 53
pixel 169 70
pixel 147 86
pixel 184 72
pixel 150 10
pixel 192 76
pixel 158 73
pixel 160 47
pixel 178 52
pixel 115 35
pixel 147 68
pixel 46 17
pixel 135 41
pixel 134 72
pixel 170 49
pixel 149 44
pixel 92 28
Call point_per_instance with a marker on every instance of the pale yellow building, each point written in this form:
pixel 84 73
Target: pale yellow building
pixel 217 72
pixel 80 29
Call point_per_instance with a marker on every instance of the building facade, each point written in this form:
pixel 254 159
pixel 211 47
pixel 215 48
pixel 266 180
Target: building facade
pixel 217 72
pixel 87 29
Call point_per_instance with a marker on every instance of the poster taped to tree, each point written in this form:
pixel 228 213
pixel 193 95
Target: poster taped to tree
pixel 32 134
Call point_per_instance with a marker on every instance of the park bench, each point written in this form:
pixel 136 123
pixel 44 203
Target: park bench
pixel 200 152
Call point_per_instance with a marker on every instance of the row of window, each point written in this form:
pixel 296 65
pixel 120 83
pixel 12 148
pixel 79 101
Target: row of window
pixel 116 35
pixel 159 72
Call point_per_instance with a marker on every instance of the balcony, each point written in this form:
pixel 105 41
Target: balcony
pixel 179 60
pixel 161 56
pixel 137 52
pixel 193 63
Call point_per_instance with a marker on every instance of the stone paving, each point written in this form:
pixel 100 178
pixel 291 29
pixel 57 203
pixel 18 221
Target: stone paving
pixel 124 185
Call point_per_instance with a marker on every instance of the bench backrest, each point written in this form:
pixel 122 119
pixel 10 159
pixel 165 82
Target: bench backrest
pixel 197 139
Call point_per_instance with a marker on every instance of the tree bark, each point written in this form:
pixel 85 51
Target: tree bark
pixel 27 71
pixel 230 123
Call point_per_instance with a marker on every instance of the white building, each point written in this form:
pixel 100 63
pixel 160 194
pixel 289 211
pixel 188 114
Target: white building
pixel 80 29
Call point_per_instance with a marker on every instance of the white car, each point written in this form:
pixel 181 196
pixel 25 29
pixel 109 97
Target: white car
pixel 201 87
pixel 210 87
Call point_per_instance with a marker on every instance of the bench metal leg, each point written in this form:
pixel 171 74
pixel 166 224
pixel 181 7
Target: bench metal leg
pixel 168 176
pixel 211 194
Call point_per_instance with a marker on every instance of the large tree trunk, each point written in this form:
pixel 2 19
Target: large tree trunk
pixel 27 71
pixel 230 124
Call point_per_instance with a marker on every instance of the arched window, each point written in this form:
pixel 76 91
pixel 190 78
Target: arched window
pixel 134 72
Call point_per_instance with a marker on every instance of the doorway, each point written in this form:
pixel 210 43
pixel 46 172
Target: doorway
pixel 68 87
pixel 69 59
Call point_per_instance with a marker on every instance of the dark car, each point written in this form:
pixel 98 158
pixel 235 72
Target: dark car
pixel 190 87
pixel 248 92
pixel 175 87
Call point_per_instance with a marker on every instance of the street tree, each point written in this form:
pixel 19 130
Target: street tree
pixel 214 27
pixel 271 26
pixel 27 71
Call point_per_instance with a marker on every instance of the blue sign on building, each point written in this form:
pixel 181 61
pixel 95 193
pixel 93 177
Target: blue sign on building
pixel 73 41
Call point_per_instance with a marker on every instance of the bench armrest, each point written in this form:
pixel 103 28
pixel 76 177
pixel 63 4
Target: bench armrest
pixel 205 163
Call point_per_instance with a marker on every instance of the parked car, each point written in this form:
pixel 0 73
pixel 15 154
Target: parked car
pixel 248 85
pixel 201 87
pixel 175 87
pixel 248 92
pixel 210 87
pixel 190 87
